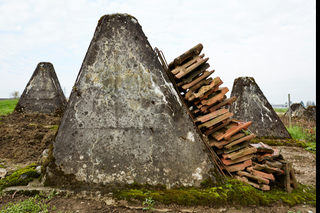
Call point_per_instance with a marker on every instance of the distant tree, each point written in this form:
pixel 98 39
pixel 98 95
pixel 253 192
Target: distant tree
pixel 15 95
pixel 313 104
pixel 302 103
pixel 309 103
pixel 286 104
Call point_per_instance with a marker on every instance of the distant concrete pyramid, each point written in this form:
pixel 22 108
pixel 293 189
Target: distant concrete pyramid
pixel 296 110
pixel 124 121
pixel 252 105
pixel 43 92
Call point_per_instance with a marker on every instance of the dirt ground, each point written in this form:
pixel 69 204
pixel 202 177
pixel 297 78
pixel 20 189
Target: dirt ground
pixel 24 137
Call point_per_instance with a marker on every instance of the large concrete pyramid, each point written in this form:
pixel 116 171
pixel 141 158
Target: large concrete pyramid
pixel 252 105
pixel 43 92
pixel 124 121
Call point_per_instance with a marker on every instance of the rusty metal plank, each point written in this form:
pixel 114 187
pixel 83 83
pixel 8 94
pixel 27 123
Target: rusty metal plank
pixel 239 166
pixel 246 138
pixel 268 176
pixel 188 54
pixel 210 116
pixel 263 156
pixel 221 144
pixel 220 134
pixel 230 162
pixel 216 120
pixel 212 129
pixel 198 79
pixel 246 151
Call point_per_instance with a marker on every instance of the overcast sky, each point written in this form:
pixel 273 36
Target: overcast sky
pixel 273 41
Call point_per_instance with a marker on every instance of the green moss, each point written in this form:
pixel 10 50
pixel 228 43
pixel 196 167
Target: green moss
pixel 234 192
pixel 2 166
pixel 280 142
pixel 16 178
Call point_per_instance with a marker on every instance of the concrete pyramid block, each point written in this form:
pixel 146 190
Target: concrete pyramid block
pixel 252 105
pixel 124 121
pixel 296 110
pixel 43 92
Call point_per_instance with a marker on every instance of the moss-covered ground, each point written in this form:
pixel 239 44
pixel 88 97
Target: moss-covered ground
pixel 234 192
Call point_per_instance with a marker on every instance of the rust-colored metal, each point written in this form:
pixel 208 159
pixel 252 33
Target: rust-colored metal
pixel 246 138
pixel 198 79
pixel 210 116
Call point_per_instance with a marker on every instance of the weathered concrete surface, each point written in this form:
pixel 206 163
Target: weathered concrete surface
pixel 310 113
pixel 43 92
pixel 124 121
pixel 296 110
pixel 252 105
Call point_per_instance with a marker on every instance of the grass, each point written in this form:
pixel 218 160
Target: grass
pixel 280 109
pixel 7 106
pixel 308 136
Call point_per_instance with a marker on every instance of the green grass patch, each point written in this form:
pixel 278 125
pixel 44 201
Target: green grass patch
pixel 7 106
pixel 280 109
pixel 20 177
pixel 234 192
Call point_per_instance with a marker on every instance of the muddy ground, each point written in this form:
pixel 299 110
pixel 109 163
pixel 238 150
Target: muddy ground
pixel 24 137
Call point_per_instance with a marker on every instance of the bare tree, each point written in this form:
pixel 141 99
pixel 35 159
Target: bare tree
pixel 15 95
pixel 309 103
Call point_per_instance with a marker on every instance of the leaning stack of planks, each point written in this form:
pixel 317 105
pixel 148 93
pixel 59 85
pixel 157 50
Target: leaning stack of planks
pixel 207 101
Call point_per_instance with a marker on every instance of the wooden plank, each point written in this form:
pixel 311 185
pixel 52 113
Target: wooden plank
pixel 198 79
pixel 240 153
pixel 182 68
pixel 257 178
pixel 232 131
pixel 220 126
pixel 197 86
pixel 214 83
pixel 187 69
pixel 246 138
pixel 273 163
pixel 191 76
pixel 239 166
pixel 211 115
pixel 221 144
pixel 228 101
pixel 188 54
pixel 236 147
pixel 260 174
pixel 211 101
pixel 230 162
pixel 244 179
pixel 293 178
pixel 287 184
pixel 268 169
pixel 216 120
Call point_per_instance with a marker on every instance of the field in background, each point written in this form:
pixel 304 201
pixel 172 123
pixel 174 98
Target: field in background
pixel 280 110
pixel 7 106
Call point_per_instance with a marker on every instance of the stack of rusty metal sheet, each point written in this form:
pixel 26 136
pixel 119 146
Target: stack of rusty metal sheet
pixel 206 100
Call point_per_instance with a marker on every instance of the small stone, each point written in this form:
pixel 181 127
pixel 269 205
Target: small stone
pixel 38 170
pixel 3 173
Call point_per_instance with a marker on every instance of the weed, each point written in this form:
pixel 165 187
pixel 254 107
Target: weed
pixel 150 204
pixel 7 106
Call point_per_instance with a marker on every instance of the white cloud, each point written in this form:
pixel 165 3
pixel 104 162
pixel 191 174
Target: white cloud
pixel 272 41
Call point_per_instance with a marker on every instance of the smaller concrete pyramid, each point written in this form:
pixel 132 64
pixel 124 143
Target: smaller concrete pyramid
pixel 296 110
pixel 252 105
pixel 43 92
